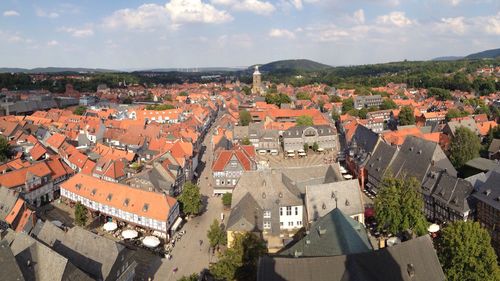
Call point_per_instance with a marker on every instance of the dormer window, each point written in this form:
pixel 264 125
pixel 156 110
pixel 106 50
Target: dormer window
pixel 125 202
pixel 78 186
pixel 93 192
pixel 146 207
pixel 109 197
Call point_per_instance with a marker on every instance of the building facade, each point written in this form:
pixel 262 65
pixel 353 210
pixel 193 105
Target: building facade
pixel 296 137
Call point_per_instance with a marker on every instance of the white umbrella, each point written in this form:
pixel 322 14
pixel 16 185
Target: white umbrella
pixel 151 241
pixel 110 226
pixel 129 234
pixel 347 177
pixel 433 228
pixel 393 241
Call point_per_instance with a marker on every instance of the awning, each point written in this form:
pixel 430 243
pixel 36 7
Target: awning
pixel 129 234
pixel 151 241
pixel 290 151
pixel 433 228
pixel 176 224
pixel 110 226
pixel 347 177
pixel 320 149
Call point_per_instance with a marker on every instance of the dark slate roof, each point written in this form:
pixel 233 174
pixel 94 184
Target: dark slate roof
pixel 494 146
pixel 365 138
pixel 454 192
pixel 333 234
pixel 297 131
pixel 10 268
pixel 380 160
pixel 482 164
pixel 413 260
pixel 489 192
pixel 246 215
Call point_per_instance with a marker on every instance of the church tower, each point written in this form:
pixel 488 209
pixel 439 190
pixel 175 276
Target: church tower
pixel 257 81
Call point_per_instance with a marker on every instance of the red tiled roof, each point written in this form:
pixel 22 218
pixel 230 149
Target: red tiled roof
pixel 15 211
pixel 37 151
pixel 56 140
pixel 18 177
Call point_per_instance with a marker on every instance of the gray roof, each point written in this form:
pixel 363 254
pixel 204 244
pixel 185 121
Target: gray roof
pixel 467 123
pixel 10 268
pixel 482 164
pixel 94 254
pixel 321 199
pixel 297 131
pixel 240 132
pixel 246 215
pixel 477 180
pixel 333 234
pixel 415 257
pixel 494 146
pixel 454 192
pixel 380 160
pixel 417 155
pixel 39 262
pixel 365 138
pixel 489 192
pixel 7 201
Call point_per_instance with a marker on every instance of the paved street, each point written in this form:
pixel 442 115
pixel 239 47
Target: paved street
pixel 188 256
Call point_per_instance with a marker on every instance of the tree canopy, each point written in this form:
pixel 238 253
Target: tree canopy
pixel 304 120
pixel 347 105
pixel 80 110
pixel 240 261
pixel 192 277
pixel 277 99
pixel 159 107
pixel 245 118
pixel 455 113
pixel 465 252
pixel 388 104
pixel 216 234
pixel 465 145
pixel 439 94
pixel 80 214
pixel 406 116
pixel 399 206
pixel 303 96
pixel 190 199
pixel 4 149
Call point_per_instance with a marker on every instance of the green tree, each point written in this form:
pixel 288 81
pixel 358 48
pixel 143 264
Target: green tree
pixel 306 147
pixel 245 118
pixel 335 98
pixel 240 261
pixel 388 104
pixel 4 149
pixel 226 199
pixel 347 105
pixel 455 113
pixel 246 90
pixel 80 214
pixel 183 94
pixel 399 206
pixel 439 94
pixel 159 107
pixel 335 116
pixel 362 113
pixel 245 141
pixel 277 99
pixel 80 110
pixel 406 116
pixel 190 199
pixel 304 120
pixel 303 96
pixel 315 146
pixel 465 145
pixel 216 234
pixel 465 252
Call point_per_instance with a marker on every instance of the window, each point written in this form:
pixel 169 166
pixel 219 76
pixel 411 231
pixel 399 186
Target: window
pixel 281 211
pixel 299 223
pixel 289 210
pixel 296 211
pixel 290 223
pixel 267 225
pixel 281 223
pixel 267 214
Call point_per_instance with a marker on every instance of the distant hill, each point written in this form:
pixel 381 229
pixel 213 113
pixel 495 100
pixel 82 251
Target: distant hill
pixel 488 54
pixel 55 70
pixel 448 58
pixel 191 69
pixel 292 65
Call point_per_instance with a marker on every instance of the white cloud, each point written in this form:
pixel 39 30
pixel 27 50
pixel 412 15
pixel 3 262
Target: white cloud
pixel 453 2
pixel 52 43
pixel 359 16
pixel 46 14
pixel 146 16
pixel 195 11
pixel 493 24
pixel 281 33
pixel 78 32
pixel 254 6
pixel 11 13
pixel 456 25
pixel 395 18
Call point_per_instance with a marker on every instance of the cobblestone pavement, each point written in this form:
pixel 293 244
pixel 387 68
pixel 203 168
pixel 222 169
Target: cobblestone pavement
pixel 312 159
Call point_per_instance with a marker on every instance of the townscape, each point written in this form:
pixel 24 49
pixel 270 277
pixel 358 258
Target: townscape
pixel 180 140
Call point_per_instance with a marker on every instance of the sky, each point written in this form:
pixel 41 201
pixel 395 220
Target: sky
pixel 133 34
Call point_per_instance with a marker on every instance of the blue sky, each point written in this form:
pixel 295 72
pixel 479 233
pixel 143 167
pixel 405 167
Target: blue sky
pixel 126 34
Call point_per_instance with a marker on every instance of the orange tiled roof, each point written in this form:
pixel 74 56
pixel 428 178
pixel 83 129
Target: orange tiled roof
pixel 84 185
pixel 15 211
pixel 484 127
pixel 18 177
